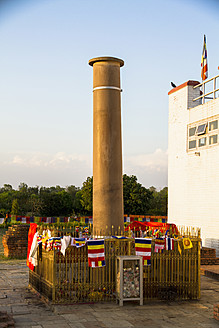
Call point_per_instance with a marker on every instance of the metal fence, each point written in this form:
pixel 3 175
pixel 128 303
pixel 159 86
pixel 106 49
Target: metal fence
pixel 69 279
pixel 214 90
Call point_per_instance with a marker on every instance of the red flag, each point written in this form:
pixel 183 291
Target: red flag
pixel 31 233
pixel 204 64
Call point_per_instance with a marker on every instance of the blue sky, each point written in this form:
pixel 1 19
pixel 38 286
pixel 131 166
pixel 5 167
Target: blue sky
pixel 46 82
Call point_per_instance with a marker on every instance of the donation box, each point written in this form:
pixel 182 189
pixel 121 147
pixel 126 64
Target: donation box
pixel 129 279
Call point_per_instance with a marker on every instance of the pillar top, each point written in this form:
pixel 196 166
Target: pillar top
pixel 99 59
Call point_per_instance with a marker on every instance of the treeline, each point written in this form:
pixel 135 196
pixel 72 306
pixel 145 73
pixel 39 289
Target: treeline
pixel 72 200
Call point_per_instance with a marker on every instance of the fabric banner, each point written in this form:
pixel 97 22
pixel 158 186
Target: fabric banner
pixel 119 237
pixel 31 233
pixel 187 243
pixel 78 242
pixel 64 243
pixel 143 248
pixel 169 244
pixel 159 245
pixel 96 255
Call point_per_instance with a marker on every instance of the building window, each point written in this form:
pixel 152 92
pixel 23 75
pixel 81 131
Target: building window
pixel 192 144
pixel 202 142
pixel 203 134
pixel 201 129
pixel 213 139
pixel 192 131
pixel 213 125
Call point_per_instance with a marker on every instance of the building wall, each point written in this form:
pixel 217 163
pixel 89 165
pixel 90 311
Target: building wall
pixel 193 175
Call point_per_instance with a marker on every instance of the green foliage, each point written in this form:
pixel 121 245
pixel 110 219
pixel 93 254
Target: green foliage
pixel 15 207
pixel 86 196
pixel 59 201
pixel 159 201
pixel 136 197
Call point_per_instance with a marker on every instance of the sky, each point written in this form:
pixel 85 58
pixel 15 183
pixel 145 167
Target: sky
pixel 46 82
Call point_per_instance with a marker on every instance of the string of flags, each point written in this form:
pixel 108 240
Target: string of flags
pixel 81 220
pixel 96 249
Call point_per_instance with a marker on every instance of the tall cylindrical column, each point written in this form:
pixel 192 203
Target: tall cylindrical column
pixel 107 146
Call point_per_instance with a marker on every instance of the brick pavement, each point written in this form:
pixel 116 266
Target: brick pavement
pixel 29 310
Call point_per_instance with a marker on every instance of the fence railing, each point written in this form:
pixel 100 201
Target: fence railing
pixel 204 95
pixel 69 279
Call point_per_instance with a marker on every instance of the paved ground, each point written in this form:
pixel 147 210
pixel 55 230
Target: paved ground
pixel 29 311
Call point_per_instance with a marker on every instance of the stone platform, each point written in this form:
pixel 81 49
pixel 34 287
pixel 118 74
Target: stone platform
pixel 29 310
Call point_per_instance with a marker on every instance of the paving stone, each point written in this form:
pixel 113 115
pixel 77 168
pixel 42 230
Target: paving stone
pixel 29 310
pixel 53 325
pixel 77 325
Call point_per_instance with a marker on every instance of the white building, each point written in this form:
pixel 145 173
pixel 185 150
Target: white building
pixel 193 158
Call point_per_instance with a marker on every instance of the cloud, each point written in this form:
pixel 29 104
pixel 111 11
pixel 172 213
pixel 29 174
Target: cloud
pixel 64 169
pixel 150 169
pixel 45 169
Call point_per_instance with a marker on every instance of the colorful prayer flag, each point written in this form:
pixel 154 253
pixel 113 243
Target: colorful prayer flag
pixel 143 248
pixel 96 256
pixel 119 237
pixel 78 242
pixel 159 245
pixel 204 64
pixel 57 243
pixel 187 243
pixel 169 243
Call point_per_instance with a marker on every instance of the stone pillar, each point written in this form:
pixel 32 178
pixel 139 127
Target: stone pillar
pixel 107 146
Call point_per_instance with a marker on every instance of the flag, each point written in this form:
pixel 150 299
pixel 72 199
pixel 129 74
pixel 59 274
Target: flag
pixel 159 245
pixel 187 243
pixel 143 248
pixel 169 243
pixel 78 242
pixel 49 246
pixel 179 248
pixel 204 64
pixel 119 237
pixel 64 244
pixel 31 233
pixel 57 243
pixel 96 256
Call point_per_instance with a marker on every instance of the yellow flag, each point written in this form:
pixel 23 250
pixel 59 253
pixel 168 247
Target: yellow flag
pixel 179 248
pixel 187 243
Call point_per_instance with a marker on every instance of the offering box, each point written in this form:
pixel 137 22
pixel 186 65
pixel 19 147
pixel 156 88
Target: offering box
pixel 129 279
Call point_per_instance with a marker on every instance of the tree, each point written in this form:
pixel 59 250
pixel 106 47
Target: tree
pixel 36 205
pixel 15 207
pixel 158 204
pixel 72 191
pixel 87 196
pixel 6 187
pixel 136 197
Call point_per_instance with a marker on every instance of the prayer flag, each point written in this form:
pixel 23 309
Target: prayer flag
pixel 169 243
pixel 143 248
pixel 78 242
pixel 187 243
pixel 119 237
pixel 57 243
pixel 64 243
pixel 179 248
pixel 204 64
pixel 159 245
pixel 31 233
pixel 96 256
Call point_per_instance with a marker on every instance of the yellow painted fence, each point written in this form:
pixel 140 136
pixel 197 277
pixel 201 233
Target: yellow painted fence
pixel 69 279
